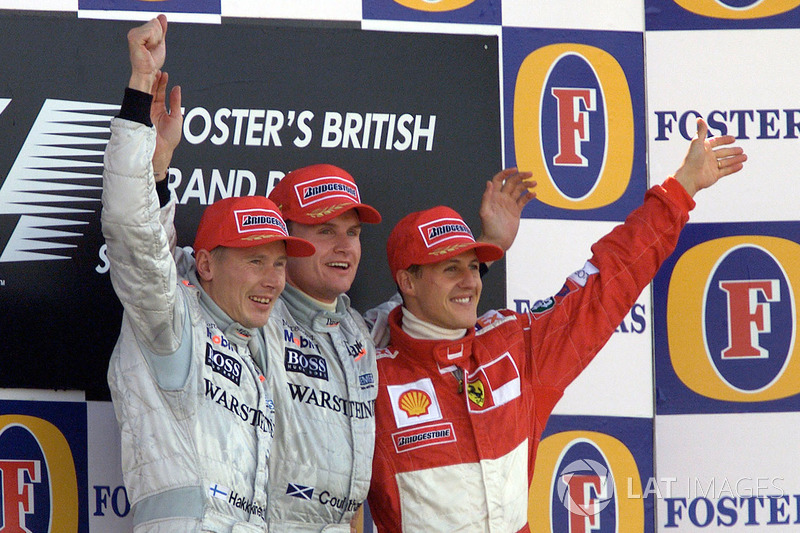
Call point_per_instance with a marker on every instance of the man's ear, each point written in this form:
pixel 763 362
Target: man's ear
pixel 203 262
pixel 405 282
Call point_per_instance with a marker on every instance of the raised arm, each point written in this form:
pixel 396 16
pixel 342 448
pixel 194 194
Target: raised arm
pixel 142 270
pixel 571 327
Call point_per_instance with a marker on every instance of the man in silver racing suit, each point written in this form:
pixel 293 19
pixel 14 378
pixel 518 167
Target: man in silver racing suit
pixel 195 412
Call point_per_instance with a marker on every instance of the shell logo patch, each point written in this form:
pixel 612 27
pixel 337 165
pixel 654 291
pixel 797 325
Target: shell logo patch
pixel 415 403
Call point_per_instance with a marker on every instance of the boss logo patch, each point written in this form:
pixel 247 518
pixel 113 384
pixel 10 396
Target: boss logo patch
pixel 223 364
pixel 312 365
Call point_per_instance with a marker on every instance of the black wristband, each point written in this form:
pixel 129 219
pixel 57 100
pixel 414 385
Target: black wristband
pixel 136 106
pixel 162 190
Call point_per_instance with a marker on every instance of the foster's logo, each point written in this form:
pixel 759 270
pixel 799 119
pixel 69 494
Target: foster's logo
pixel 738 9
pixel 733 337
pixel 435 5
pixel 583 477
pixel 564 99
pixel 39 488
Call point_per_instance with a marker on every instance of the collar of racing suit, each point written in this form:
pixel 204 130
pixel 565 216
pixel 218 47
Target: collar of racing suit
pixel 420 329
pixel 305 311
pixel 445 355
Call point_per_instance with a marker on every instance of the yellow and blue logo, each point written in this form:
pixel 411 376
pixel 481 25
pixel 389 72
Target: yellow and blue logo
pixel 721 14
pixel 43 467
pixel 576 121
pixel 589 480
pixel 729 306
pixel 463 11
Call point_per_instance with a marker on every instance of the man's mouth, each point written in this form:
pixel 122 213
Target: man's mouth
pixel 258 299
pixel 337 264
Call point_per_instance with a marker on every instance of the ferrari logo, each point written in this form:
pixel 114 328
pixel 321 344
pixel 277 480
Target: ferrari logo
pixel 475 393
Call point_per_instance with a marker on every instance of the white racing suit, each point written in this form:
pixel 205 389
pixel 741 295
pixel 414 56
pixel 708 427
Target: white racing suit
pixel 325 384
pixel 195 415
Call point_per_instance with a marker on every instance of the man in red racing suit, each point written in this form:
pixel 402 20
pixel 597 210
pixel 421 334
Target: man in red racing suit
pixel 461 408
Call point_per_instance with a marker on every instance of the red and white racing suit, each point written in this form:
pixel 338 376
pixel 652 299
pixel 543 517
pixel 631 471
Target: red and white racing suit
pixel 456 454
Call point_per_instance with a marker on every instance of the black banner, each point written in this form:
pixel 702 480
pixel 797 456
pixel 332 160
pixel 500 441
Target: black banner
pixel 414 117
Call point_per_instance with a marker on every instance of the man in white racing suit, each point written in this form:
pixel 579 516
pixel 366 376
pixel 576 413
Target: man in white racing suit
pixel 196 414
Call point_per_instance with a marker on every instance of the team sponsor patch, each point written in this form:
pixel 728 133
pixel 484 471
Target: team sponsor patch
pixel 248 414
pixel 366 381
pixel 357 350
pixel 476 392
pixel 309 364
pixel 540 307
pixel 414 403
pixel 334 402
pixel 431 435
pixel 493 385
pixel 575 281
pixel 259 219
pixel 441 230
pixel 319 189
pixel 223 364
pixel 581 276
pixel 293 335
pixel 299 491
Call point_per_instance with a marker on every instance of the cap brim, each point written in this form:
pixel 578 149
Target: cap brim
pixel 297 247
pixel 367 213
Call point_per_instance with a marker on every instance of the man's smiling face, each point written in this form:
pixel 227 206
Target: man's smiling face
pixel 332 269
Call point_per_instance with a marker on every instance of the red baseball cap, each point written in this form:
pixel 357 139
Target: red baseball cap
pixel 318 193
pixel 244 221
pixel 432 236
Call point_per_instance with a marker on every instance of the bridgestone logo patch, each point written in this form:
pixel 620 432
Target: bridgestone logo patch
pixel 325 188
pixel 439 232
pixel 412 439
pixel 263 220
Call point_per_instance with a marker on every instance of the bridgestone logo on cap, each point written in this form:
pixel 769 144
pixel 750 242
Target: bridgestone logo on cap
pixel 319 189
pixel 249 220
pixel 439 231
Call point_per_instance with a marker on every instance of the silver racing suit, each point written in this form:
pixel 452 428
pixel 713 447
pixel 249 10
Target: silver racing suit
pixel 325 383
pixel 196 416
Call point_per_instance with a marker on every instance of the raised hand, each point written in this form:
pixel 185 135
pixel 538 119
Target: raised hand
pixel 168 123
pixel 148 51
pixel 501 206
pixel 708 160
